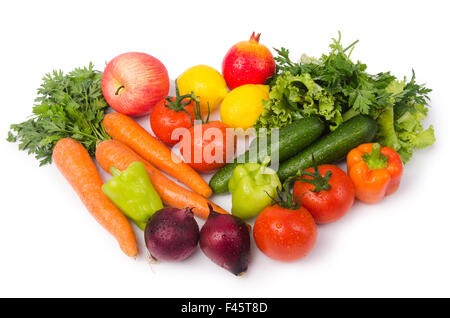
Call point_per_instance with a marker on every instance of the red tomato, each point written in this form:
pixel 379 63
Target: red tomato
pixel 164 121
pixel 204 147
pixel 327 205
pixel 283 234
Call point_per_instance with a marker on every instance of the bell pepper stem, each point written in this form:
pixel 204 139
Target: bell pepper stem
pixel 115 172
pixel 375 159
pixel 264 165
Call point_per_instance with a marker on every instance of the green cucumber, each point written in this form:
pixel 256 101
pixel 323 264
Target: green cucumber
pixel 292 139
pixel 332 147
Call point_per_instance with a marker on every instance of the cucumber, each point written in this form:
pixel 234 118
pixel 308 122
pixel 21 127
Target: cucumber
pixel 332 147
pixel 292 139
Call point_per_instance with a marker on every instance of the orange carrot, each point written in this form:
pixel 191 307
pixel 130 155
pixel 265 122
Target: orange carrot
pixel 113 153
pixel 75 164
pixel 126 130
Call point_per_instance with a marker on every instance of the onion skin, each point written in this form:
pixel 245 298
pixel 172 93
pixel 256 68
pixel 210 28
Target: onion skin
pixel 172 234
pixel 225 239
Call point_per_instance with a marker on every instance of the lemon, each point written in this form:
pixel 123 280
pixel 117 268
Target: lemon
pixel 243 105
pixel 206 83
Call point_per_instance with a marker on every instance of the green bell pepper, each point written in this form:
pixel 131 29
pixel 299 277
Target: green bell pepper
pixel 133 193
pixel 252 188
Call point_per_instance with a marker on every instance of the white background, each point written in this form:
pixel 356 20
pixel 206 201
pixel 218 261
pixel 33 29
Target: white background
pixel 50 245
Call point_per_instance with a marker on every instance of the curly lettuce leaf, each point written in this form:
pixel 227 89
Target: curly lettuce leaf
pixel 296 96
pixel 412 135
pixel 400 124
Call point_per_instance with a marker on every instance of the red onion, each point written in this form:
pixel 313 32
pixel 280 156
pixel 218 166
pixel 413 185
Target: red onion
pixel 172 234
pixel 225 239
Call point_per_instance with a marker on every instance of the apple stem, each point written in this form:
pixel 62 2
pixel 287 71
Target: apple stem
pixel 118 90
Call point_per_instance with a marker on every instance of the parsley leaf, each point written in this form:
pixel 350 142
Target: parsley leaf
pixel 69 105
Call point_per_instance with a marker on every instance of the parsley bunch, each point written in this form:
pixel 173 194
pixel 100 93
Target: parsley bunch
pixel 70 105
pixel 336 89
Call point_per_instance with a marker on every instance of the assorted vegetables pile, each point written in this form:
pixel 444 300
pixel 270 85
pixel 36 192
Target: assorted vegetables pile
pixel 326 110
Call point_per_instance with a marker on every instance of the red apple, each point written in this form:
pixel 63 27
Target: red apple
pixel 248 62
pixel 133 83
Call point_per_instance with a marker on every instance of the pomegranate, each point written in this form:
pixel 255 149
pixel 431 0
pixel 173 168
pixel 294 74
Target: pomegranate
pixel 248 62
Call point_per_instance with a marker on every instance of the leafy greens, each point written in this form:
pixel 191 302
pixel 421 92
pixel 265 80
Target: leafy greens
pixel 69 105
pixel 336 89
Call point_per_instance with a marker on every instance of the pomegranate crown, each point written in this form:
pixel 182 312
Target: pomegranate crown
pixel 255 38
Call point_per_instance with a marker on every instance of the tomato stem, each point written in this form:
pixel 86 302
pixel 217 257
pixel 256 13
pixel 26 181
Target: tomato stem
pixel 181 101
pixel 285 198
pixel 320 183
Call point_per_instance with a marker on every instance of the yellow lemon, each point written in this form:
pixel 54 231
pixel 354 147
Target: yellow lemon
pixel 206 83
pixel 243 105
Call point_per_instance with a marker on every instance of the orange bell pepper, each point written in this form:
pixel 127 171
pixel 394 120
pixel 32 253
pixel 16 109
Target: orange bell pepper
pixel 376 172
